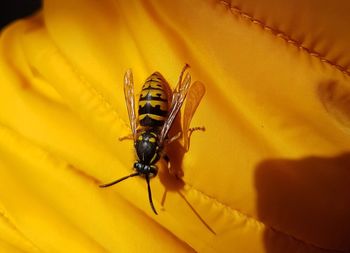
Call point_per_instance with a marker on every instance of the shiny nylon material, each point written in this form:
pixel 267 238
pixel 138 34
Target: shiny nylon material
pixel 271 173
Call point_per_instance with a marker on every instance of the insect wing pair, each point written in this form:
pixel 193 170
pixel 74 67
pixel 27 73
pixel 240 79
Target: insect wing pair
pixel 154 137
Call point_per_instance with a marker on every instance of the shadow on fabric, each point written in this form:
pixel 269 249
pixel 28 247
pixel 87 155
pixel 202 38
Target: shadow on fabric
pixel 305 203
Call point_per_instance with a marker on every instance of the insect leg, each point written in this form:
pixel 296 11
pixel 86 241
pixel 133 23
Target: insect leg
pixel 189 133
pixel 120 179
pixel 127 137
pixel 174 138
pixel 167 160
pixel 172 169
pixel 192 129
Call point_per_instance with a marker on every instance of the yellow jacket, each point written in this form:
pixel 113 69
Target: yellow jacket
pixel 271 173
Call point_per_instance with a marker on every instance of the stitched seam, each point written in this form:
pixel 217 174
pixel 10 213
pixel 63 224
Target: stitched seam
pixel 258 222
pixel 230 209
pixel 89 86
pixel 223 205
pixel 50 159
pixel 93 92
pixel 236 11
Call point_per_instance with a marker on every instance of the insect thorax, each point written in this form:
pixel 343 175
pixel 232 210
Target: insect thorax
pixel 147 148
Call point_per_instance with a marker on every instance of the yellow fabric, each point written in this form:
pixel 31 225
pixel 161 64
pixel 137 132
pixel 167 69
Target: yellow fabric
pixel 271 173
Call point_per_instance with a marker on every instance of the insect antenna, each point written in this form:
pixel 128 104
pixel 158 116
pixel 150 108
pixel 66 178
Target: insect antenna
pixel 150 194
pixel 120 179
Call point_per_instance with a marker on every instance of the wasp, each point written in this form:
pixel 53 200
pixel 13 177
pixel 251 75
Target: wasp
pixel 157 110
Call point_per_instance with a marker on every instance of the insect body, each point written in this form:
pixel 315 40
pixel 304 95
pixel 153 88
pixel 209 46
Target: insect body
pixel 153 102
pixel 156 114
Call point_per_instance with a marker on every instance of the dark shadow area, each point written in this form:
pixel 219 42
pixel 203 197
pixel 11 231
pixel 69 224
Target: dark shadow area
pixel 174 183
pixel 11 10
pixel 305 203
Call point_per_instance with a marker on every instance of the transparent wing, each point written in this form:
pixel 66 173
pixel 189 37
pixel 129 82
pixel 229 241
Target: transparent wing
pixel 179 96
pixel 130 100
pixel 194 97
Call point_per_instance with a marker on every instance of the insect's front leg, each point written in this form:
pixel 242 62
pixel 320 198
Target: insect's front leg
pixel 130 136
pixel 127 137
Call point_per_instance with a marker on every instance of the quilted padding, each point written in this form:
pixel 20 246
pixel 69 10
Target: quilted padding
pixel 270 173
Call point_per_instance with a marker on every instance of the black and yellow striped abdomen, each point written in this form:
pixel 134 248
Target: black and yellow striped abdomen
pixel 153 102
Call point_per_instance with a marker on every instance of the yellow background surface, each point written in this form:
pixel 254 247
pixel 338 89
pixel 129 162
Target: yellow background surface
pixel 271 173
